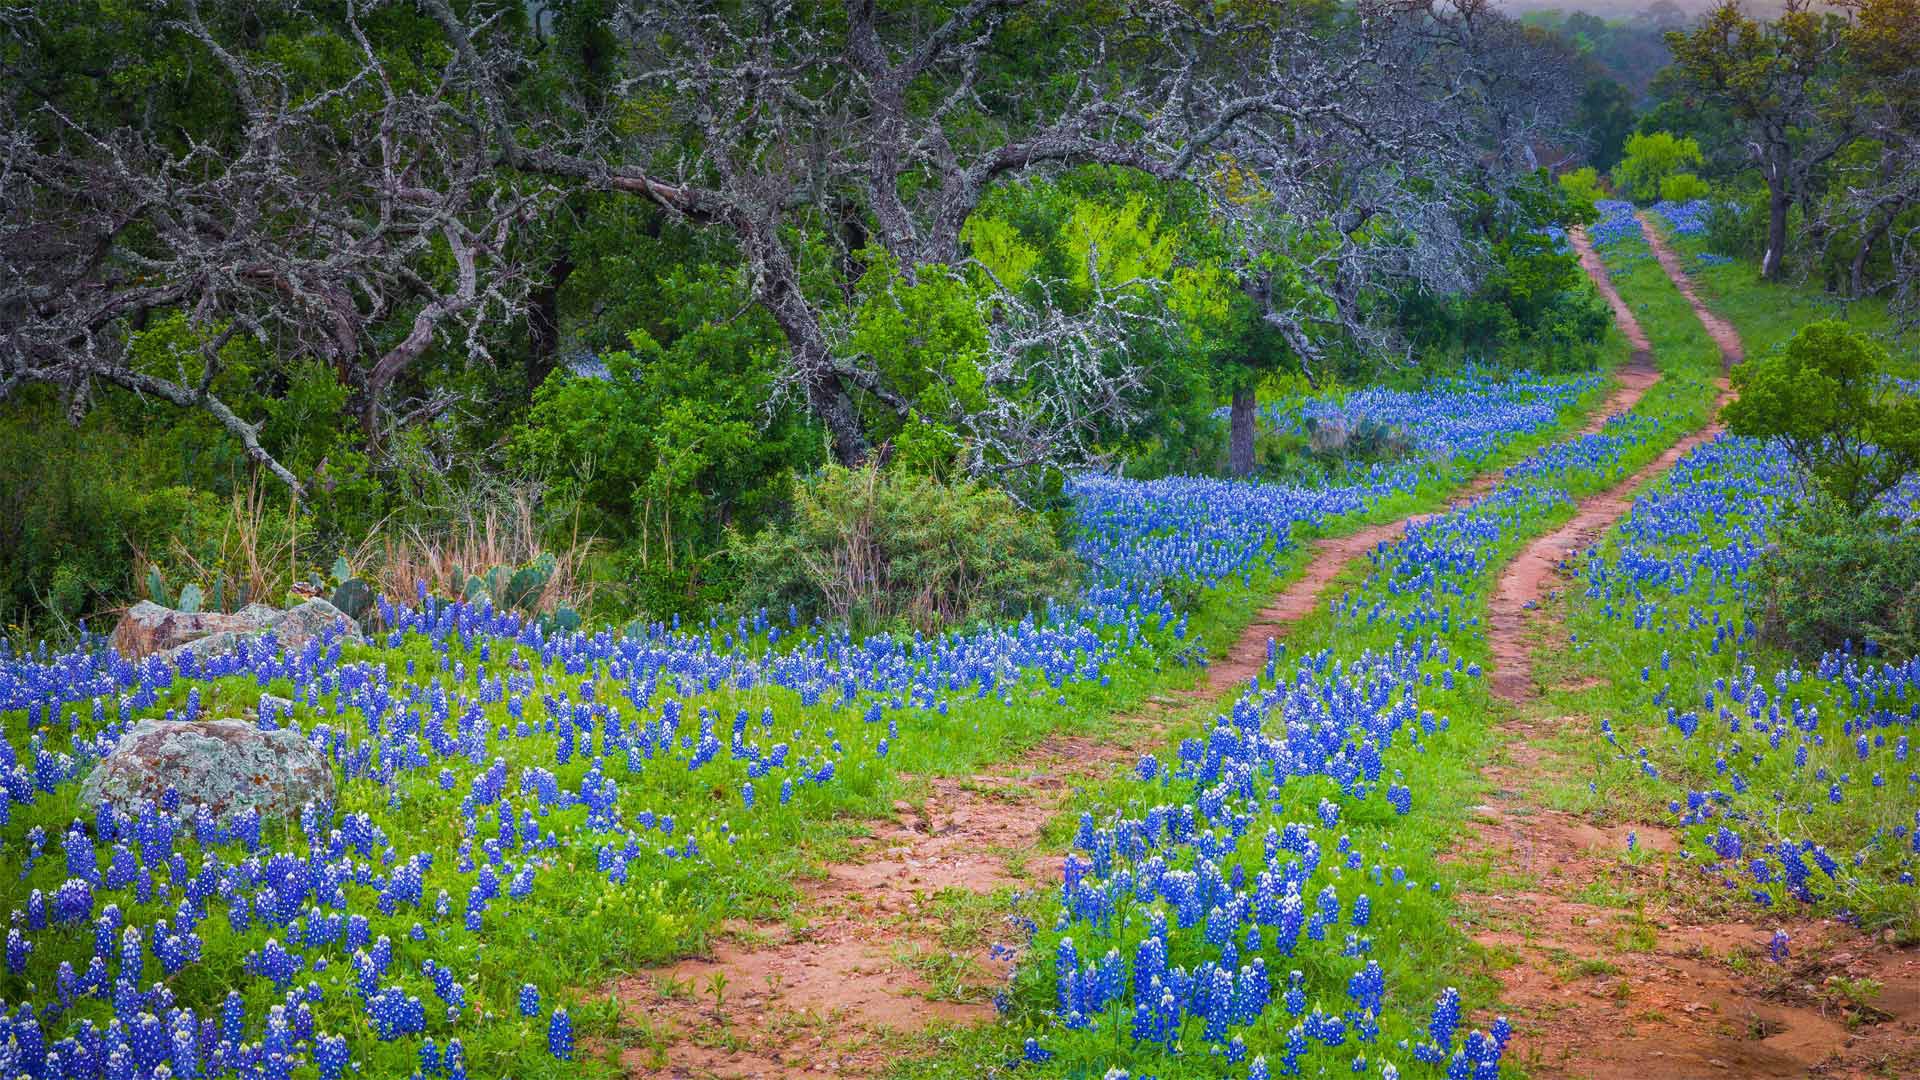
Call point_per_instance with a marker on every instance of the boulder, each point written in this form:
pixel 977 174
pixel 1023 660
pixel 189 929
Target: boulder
pixel 1327 436
pixel 308 621
pixel 148 628
pixel 228 766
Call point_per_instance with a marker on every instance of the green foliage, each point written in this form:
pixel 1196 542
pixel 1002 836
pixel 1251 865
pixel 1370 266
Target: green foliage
pixel 1828 399
pixel 1605 115
pixel 894 548
pixel 673 443
pixel 1532 309
pixel 1582 186
pixel 1737 221
pixel 1036 236
pixel 1684 187
pixel 1652 158
pixel 1835 577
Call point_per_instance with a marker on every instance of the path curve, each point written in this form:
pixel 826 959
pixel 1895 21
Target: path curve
pixel 822 997
pixel 1607 990
pixel 1533 573
pixel 1248 656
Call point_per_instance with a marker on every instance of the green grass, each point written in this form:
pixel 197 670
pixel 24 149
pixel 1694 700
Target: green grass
pixel 1610 655
pixel 1421 945
pixel 1766 314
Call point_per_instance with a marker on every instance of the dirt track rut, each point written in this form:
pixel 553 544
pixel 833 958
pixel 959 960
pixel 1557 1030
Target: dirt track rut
pixel 1617 971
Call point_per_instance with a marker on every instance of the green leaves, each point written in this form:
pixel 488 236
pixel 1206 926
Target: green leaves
pixel 1828 398
pixel 887 548
pixel 1654 160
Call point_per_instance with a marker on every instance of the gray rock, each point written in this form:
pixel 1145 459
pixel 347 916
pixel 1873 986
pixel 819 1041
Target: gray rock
pixel 148 628
pixel 1327 436
pixel 206 648
pixel 308 621
pixel 228 766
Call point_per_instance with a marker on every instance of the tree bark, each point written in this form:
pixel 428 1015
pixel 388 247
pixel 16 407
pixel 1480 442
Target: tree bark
pixel 1857 272
pixel 543 323
pixel 1240 433
pixel 1779 201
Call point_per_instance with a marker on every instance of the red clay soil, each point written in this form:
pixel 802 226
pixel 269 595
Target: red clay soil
pixel 1622 314
pixel 832 992
pixel 1534 573
pixel 1619 969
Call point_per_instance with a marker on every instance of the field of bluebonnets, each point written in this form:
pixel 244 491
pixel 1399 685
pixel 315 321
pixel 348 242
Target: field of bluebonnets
pixel 514 802
pixel 522 811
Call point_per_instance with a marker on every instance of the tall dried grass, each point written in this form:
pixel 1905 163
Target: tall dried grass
pixel 252 560
pixel 261 547
pixel 497 524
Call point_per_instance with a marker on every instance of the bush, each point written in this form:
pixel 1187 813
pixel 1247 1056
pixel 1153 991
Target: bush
pixel 663 445
pixel 1828 397
pixel 1737 222
pixel 1582 186
pixel 1651 159
pixel 1684 187
pixel 884 548
pixel 1835 577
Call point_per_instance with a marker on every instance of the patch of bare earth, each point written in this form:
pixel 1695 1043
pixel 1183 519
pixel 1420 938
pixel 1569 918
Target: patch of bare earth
pixel 1623 968
pixel 875 952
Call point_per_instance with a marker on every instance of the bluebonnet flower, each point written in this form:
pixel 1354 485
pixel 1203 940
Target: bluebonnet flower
pixel 560 1035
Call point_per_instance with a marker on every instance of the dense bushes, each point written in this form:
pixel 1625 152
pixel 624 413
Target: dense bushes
pixel 1829 398
pixel 1659 162
pixel 1842 568
pixel 885 547
pixel 1835 577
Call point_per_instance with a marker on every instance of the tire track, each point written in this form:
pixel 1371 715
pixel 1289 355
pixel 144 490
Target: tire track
pixel 1603 983
pixel 832 990
pixel 1535 571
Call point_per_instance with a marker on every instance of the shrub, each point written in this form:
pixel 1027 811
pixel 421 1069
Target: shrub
pixel 884 548
pixel 1582 186
pixel 1828 397
pixel 1652 158
pixel 1737 222
pixel 1835 577
pixel 1684 187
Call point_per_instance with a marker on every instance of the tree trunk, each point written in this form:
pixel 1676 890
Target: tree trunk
pixel 1779 200
pixel 1240 433
pixel 543 323
pixel 1857 273
pixel 827 397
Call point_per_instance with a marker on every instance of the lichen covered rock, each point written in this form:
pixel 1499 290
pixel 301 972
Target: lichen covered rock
pixel 148 628
pixel 310 620
pixel 228 766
